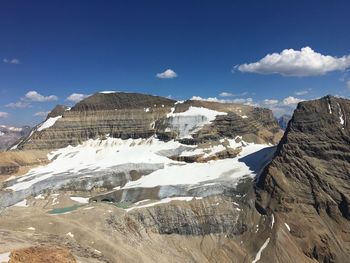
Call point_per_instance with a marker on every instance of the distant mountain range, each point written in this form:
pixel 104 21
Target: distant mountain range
pixel 9 135
pixel 283 121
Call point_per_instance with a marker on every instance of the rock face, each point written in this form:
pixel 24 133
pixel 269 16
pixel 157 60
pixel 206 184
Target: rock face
pixel 9 135
pixel 131 115
pixel 307 185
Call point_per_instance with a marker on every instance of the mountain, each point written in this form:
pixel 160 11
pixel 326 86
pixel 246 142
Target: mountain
pixel 307 185
pixel 139 178
pixel 132 115
pixel 283 121
pixel 10 134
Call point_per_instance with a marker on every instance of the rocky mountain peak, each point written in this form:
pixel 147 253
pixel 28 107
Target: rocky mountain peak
pixel 307 184
pixel 57 111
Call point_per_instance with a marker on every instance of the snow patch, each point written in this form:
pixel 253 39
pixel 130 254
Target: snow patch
pixel 329 108
pixel 70 234
pixel 22 203
pixel 287 226
pixel 31 228
pixel 190 121
pixel 48 123
pixel 258 255
pixel 273 221
pixel 82 200
pixel 107 92
pixel 39 197
pixel 5 257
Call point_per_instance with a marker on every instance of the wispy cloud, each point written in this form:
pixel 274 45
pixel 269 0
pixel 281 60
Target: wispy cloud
pixel 18 105
pixel 290 62
pixel 246 101
pixel 41 114
pixel 270 101
pixel 225 94
pixel 229 94
pixel 278 107
pixel 37 97
pixel 3 114
pixel 167 74
pixel 76 97
pixel 11 61
pixel 302 92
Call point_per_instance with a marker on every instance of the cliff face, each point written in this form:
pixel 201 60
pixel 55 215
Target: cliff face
pixel 131 115
pixel 307 185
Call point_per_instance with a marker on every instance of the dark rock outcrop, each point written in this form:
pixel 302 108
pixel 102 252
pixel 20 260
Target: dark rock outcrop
pixel 307 185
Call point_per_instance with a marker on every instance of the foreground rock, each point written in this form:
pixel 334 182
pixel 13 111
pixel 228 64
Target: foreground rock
pixel 307 185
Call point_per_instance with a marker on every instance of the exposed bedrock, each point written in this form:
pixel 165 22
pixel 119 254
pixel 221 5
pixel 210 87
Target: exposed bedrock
pixel 307 185
pixel 131 115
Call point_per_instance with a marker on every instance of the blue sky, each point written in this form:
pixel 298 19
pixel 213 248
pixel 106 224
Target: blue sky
pixel 53 49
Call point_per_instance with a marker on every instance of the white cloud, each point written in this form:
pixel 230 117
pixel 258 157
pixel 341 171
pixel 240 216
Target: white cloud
pixel 290 62
pixel 302 92
pixel 3 114
pixel 35 96
pixel 18 105
pixel 11 61
pixel 76 97
pixel 291 100
pixel 168 74
pixel 270 101
pixel 41 114
pixel 247 101
pixel 278 107
pixel 225 94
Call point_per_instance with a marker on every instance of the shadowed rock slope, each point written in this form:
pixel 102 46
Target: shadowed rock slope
pixel 307 185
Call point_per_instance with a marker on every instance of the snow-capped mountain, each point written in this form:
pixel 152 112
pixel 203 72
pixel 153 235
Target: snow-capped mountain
pixel 192 178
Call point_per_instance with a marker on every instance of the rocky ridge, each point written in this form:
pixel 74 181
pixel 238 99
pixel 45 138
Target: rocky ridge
pixel 131 115
pixel 307 185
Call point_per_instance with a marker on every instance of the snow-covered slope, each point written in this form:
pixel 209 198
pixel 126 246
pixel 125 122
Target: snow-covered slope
pixel 109 163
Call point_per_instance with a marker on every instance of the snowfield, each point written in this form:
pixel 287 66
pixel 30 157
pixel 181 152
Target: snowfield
pixel 188 122
pixel 48 123
pixel 99 160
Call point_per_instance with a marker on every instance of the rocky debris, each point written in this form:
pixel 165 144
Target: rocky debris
pixel 283 121
pixel 19 162
pixel 42 255
pixel 9 135
pixel 307 184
